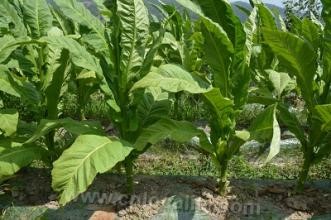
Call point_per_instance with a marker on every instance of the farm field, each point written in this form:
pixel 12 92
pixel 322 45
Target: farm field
pixel 133 109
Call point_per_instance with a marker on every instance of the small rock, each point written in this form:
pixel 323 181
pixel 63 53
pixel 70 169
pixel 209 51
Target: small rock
pixel 122 213
pixel 207 193
pixel 52 205
pixel 103 215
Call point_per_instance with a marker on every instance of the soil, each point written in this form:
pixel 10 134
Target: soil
pixel 158 196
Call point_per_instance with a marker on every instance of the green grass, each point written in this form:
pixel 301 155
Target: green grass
pixel 96 108
pixel 171 160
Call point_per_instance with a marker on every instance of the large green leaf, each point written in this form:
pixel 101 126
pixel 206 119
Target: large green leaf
pixel 222 112
pixel 8 121
pixel 293 124
pixel 327 46
pixel 104 11
pixel 312 33
pixel 75 127
pixel 324 113
pixel 261 96
pixel 279 80
pixel 5 85
pixel 52 60
pixel 265 128
pixel 220 11
pixel 134 23
pixel 14 156
pixel 18 86
pixel 173 78
pixel 296 24
pixel 221 106
pixel 236 141
pixel 262 127
pixel 298 56
pixel 77 12
pixel 154 105
pixel 181 131
pixel 53 91
pixel 205 144
pixel 250 28
pixel 218 52
pixel 80 56
pixel 10 21
pixel 275 141
pixel 267 18
pixel 37 16
pixel 89 155
pixel 62 21
pixel 152 52
pixel 7 46
pixel 191 6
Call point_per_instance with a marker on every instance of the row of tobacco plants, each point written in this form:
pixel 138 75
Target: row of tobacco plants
pixel 143 64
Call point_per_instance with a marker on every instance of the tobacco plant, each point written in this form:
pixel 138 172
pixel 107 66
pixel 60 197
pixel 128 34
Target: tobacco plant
pixel 227 53
pixel 182 44
pixel 125 49
pixel 271 85
pixel 35 70
pixel 304 54
pixel 45 46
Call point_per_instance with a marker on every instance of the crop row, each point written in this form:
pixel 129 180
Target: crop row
pixel 143 64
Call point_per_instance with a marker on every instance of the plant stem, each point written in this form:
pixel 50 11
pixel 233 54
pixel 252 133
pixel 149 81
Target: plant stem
pixel 176 105
pixel 81 98
pixel 50 136
pixel 304 173
pixel 223 183
pixel 81 113
pixel 128 163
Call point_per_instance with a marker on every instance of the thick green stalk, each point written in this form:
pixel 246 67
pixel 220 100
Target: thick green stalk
pixel 176 106
pixel 304 172
pixel 128 163
pixel 223 182
pixel 81 103
pixel 315 135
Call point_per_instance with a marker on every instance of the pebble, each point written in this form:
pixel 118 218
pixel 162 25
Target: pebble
pixel 122 213
pixel 207 193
